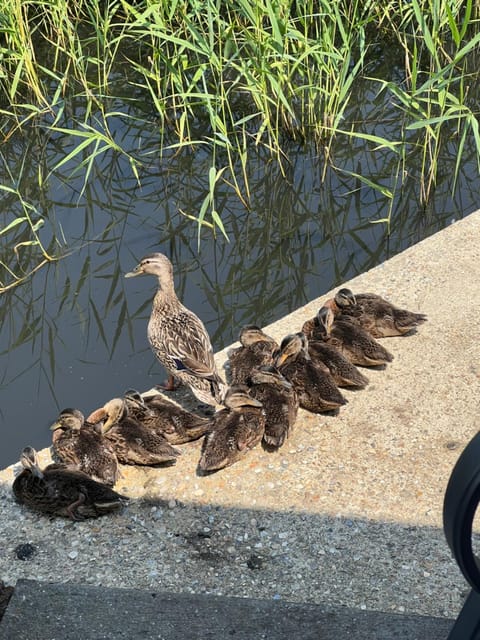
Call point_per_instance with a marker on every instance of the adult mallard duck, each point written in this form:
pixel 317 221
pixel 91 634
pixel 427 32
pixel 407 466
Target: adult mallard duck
pixel 134 443
pixel 167 418
pixel 234 430
pixel 373 313
pixel 344 373
pixel 313 383
pixel 256 351
pixel 79 444
pixel 356 344
pixel 60 491
pixel 280 403
pixel 178 337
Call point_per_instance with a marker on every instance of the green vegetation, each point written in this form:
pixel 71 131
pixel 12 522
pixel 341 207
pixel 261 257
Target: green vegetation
pixel 228 78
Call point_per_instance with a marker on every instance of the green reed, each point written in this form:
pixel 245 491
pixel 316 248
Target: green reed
pixel 232 79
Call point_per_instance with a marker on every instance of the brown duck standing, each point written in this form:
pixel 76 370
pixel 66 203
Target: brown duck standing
pixel 313 383
pixel 356 344
pixel 79 444
pixel 234 430
pixel 60 491
pixel 256 351
pixel 133 442
pixel 178 337
pixel 373 313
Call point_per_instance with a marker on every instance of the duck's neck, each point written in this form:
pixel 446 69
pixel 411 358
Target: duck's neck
pixel 165 295
pixel 166 286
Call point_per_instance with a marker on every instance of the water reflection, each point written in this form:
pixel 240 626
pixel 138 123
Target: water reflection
pixel 75 333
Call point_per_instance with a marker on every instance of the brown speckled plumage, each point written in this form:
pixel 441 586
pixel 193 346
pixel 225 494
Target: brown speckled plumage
pixel 313 383
pixel 280 403
pixel 344 373
pixel 234 430
pixel 356 344
pixel 373 313
pixel 177 336
pixel 256 351
pixel 60 491
pixel 79 444
pixel 168 419
pixel 133 442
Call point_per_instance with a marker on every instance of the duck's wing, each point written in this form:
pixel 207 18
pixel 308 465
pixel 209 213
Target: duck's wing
pixel 189 346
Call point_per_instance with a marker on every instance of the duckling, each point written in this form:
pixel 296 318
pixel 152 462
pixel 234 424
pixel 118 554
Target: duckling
pixel 61 491
pixel 133 442
pixel 356 344
pixel 256 350
pixel 313 383
pixel 234 430
pixel 344 373
pixel 79 444
pixel 280 403
pixel 168 419
pixel 178 337
pixel 374 314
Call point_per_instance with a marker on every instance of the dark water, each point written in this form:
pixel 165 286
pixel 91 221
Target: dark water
pixel 74 334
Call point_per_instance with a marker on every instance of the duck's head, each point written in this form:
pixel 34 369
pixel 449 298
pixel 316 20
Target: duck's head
pixel 251 334
pixel 238 397
pixel 291 346
pixel 345 298
pixel 108 415
pixel 155 264
pixel 324 319
pixel 28 459
pixel 69 419
pixel 134 399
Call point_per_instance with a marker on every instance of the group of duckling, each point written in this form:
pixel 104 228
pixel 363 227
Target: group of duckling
pixel 267 383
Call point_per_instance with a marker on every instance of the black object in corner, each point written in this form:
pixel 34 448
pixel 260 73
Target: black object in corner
pixel 460 504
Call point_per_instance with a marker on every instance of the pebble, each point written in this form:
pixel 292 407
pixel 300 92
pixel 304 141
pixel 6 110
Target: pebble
pixel 73 554
pixel 25 551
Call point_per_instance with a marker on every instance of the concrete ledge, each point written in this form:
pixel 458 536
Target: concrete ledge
pixel 357 498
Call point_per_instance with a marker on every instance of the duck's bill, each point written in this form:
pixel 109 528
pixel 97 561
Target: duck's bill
pixel 132 274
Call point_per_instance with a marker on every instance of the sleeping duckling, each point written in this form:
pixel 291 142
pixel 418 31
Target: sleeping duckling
pixel 256 351
pixel 344 373
pixel 280 403
pixel 168 419
pixel 374 314
pixel 133 442
pixel 79 444
pixel 313 383
pixel 60 491
pixel 356 344
pixel 234 430
pixel 178 337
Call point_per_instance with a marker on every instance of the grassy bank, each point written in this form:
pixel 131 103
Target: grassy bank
pixel 230 79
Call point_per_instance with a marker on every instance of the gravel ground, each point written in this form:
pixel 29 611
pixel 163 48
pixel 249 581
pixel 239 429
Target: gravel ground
pixel 208 549
pixel 348 512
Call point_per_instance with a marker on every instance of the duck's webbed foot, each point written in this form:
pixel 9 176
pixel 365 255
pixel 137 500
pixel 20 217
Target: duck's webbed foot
pixel 168 385
pixel 72 509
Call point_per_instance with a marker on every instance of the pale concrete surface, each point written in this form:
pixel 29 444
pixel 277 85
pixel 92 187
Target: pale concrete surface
pixel 380 467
